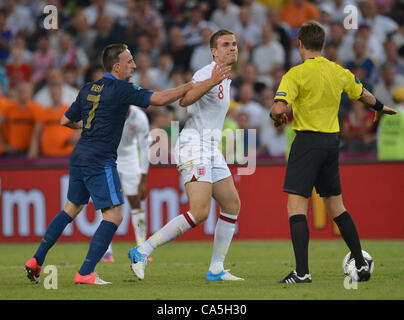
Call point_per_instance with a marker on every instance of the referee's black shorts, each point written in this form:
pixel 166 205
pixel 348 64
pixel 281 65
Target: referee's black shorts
pixel 313 161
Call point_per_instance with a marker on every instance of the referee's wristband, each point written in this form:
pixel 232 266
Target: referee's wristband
pixel 378 105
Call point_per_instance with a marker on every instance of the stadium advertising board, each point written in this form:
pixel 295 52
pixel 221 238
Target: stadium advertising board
pixel 30 198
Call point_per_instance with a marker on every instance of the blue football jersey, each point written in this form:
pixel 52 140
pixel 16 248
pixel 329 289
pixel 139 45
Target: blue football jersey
pixel 103 105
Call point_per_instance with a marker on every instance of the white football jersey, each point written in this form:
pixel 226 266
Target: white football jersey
pixel 135 141
pixel 207 114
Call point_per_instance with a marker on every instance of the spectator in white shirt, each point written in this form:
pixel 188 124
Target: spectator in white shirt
pixel 249 105
pixel 343 41
pixel 273 139
pixel 144 44
pixel 258 11
pixel 19 18
pixel 247 28
pixel 374 47
pixel 325 10
pixel 84 34
pixel 69 55
pixel 269 55
pixel 192 30
pixel 398 36
pixel 381 25
pixel 338 7
pixel 164 67
pixel 20 41
pixel 389 81
pixel 202 56
pixel 280 29
pixel 225 15
pixel 55 77
pixel 98 7
pixel 144 69
pixel 391 53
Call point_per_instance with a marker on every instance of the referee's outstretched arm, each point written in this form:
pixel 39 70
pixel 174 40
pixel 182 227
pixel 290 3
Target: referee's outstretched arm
pixel 279 108
pixel 371 101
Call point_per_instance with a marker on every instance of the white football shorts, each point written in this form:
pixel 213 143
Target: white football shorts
pixel 203 168
pixel 129 173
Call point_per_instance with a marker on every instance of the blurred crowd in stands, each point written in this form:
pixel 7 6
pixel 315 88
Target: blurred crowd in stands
pixel 42 70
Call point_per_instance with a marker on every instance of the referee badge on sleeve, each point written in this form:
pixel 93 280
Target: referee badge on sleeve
pixel 280 93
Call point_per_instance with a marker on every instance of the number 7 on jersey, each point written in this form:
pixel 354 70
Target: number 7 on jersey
pixel 95 99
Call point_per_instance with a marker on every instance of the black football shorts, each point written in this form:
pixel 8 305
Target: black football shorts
pixel 313 161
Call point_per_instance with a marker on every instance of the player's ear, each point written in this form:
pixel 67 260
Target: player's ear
pixel 115 67
pixel 214 52
pixel 300 44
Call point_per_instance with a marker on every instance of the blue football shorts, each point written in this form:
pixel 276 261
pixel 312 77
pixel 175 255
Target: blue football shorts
pixel 101 183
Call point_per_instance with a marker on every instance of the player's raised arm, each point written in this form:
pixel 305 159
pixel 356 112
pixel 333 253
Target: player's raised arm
pixel 219 73
pixel 162 98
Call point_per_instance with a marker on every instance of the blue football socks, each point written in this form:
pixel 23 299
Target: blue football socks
pixel 55 229
pixel 98 246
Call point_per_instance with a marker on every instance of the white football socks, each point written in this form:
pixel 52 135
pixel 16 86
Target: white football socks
pixel 172 230
pixel 139 225
pixel 224 231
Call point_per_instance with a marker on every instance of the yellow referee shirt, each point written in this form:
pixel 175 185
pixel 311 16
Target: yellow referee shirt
pixel 314 90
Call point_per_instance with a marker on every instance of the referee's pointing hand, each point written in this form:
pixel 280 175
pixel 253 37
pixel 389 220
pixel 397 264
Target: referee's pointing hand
pixel 385 110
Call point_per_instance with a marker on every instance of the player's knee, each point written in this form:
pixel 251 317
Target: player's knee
pixel 237 205
pixel 232 206
pixel 113 215
pixel 335 211
pixel 118 219
pixel 200 214
pixel 297 204
pixel 334 206
pixel 114 219
pixel 72 209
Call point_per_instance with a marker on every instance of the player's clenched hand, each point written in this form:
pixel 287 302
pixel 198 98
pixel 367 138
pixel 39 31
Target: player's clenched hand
pixel 385 110
pixel 220 72
pixel 280 119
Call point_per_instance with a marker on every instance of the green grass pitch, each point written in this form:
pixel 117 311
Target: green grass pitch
pixel 179 268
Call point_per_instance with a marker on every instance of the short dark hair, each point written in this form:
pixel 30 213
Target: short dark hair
pixel 110 55
pixel 217 34
pixel 312 35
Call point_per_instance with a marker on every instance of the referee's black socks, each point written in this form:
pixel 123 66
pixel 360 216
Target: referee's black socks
pixel 350 235
pixel 299 231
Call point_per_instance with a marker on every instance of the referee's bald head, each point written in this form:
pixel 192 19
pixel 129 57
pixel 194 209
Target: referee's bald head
pixel 312 35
